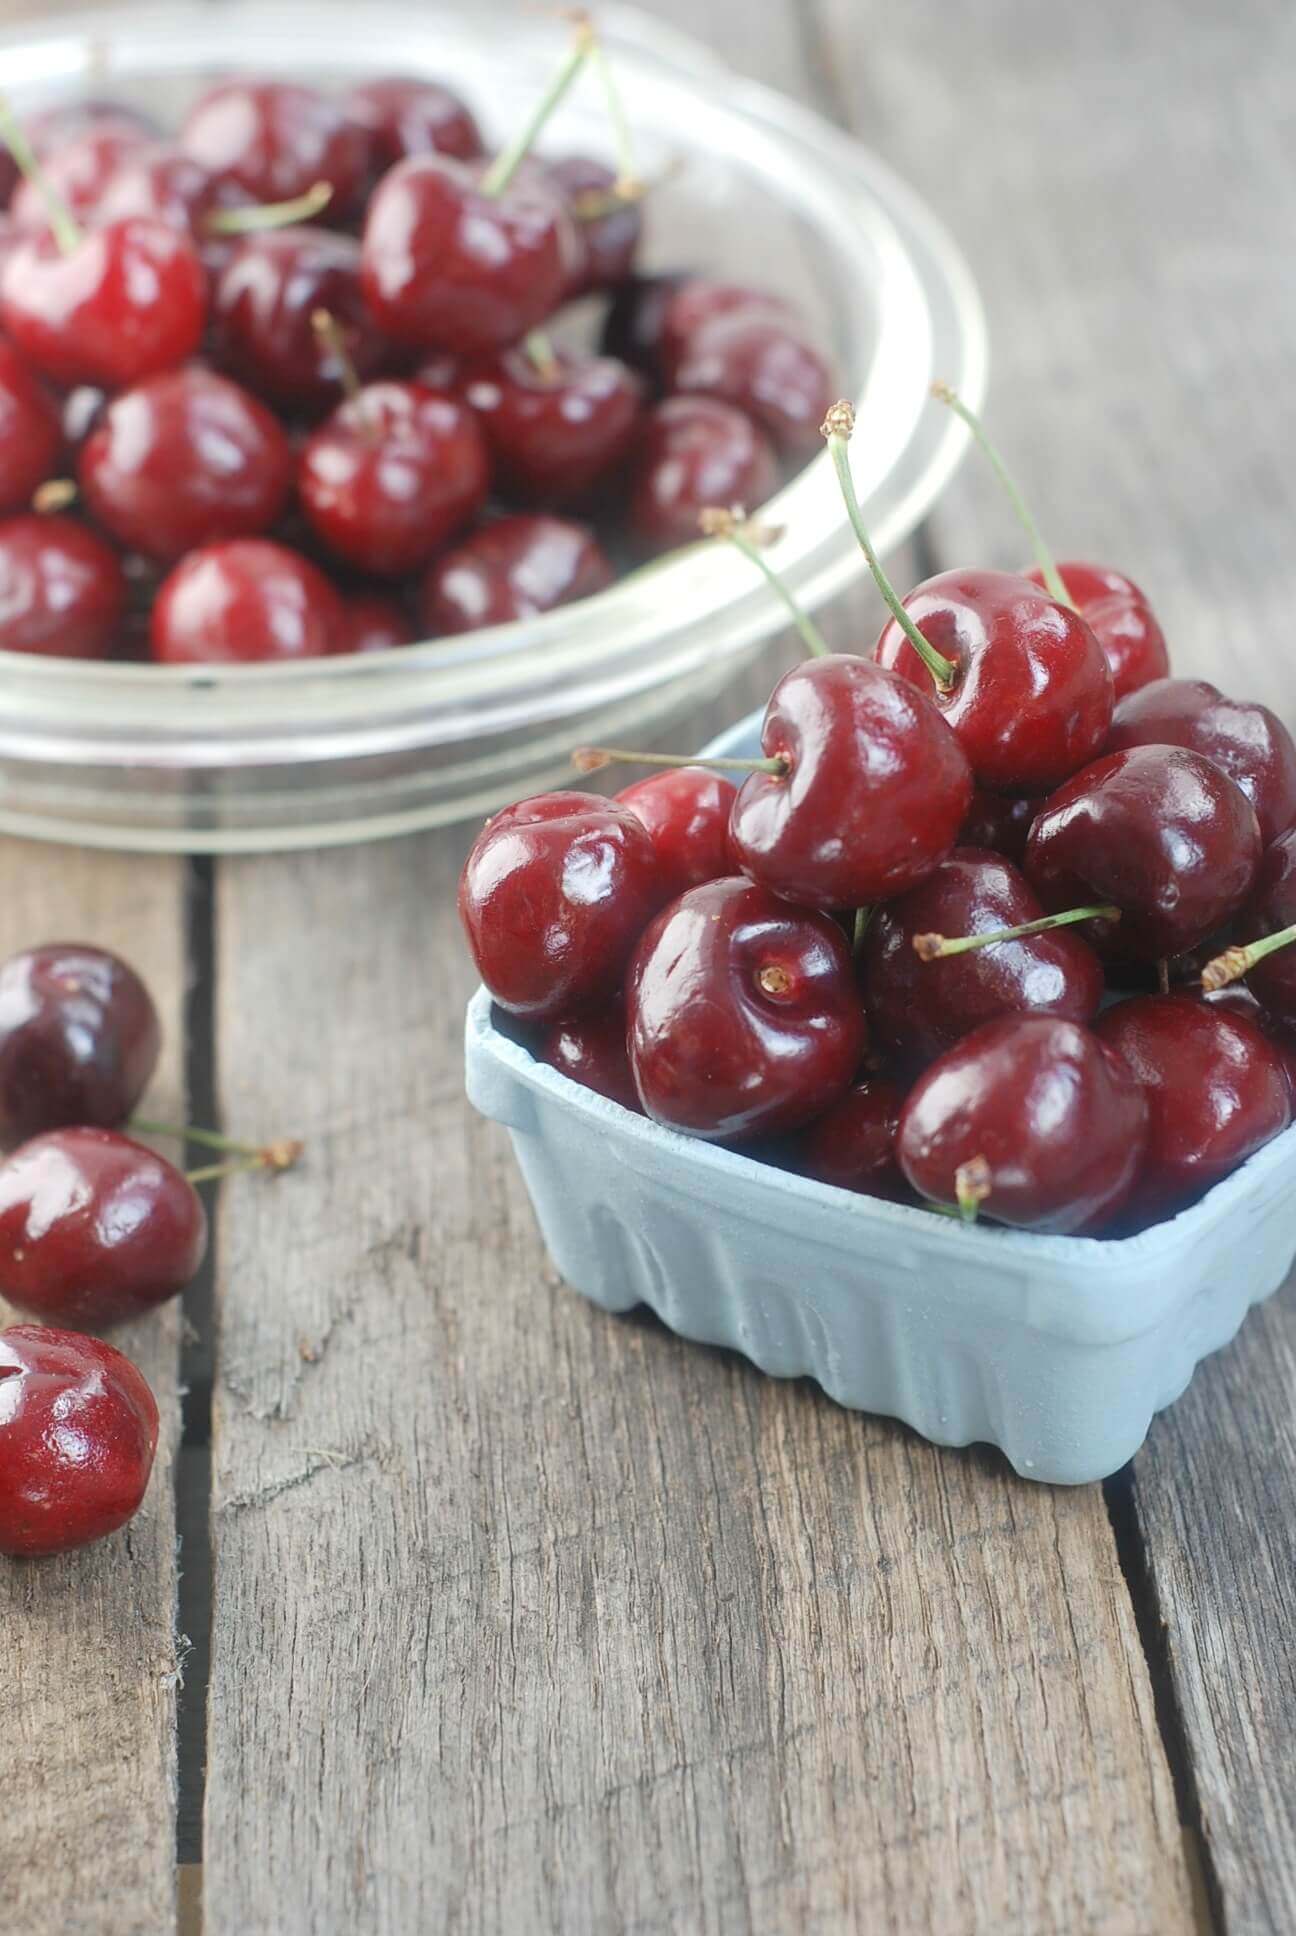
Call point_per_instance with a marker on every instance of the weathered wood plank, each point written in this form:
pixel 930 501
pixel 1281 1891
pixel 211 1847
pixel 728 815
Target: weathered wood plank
pixel 88 1652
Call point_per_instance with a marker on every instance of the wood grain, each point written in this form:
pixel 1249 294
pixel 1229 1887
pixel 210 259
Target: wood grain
pixel 89 1658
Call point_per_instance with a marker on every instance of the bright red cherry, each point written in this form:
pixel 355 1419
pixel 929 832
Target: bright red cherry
pixel 744 1019
pixel 1122 621
pixel 763 364
pixel 404 117
pixel 608 228
pixel 553 896
pixel 556 430
pixel 263 313
pixel 686 810
pixel 62 591
pixel 515 568
pixel 693 453
pixel 371 623
pixel 999 823
pixel 185 459
pixel 78 1433
pixel 31 434
pixel 244 601
pixel 276 139
pixel 591 1050
pixel 79 1040
pixel 853 1144
pixel 393 474
pixel 1251 743
pixel 164 184
pixel 699 301
pixel 95 1229
pixel 1216 1089
pixel 78 171
pixel 1032 1120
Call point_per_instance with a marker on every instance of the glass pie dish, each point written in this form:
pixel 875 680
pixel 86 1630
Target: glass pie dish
pixel 751 187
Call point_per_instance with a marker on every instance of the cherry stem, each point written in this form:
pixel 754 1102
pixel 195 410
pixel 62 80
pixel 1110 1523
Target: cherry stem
pixel 237 1166
pixel 506 164
pixel 838 427
pixel 270 215
pixel 55 494
pixel 936 947
pixel 1236 962
pixel 731 525
pixel 1163 976
pixel 540 352
pixel 591 759
pixel 972 1185
pixel 64 226
pixel 279 1155
pixel 1043 556
pixel 325 326
pixel 863 916
pixel 627 185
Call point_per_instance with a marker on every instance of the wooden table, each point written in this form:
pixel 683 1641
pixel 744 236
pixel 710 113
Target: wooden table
pixel 520 1619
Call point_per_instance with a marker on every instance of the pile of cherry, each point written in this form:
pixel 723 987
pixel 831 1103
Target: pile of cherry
pixel 95 1229
pixel 963 937
pixel 282 387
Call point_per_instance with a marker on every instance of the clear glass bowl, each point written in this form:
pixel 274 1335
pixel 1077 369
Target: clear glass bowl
pixel 754 188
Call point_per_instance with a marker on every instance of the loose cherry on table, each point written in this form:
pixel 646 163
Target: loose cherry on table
pixel 1031 1120
pixel 1120 618
pixel 515 568
pixel 246 600
pixel 372 623
pixel 31 434
pixel 78 1433
pixel 79 1040
pixel 591 1049
pixel 1251 743
pixel 853 1144
pixel 263 310
pixel 62 590
pixel 403 117
pixel 694 452
pixel 609 225
pixel 743 1016
pixel 558 426
pixel 275 139
pixel 686 810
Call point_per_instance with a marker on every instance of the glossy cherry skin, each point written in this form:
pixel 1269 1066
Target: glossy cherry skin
pixel 246 600
pixel 591 1050
pixel 608 238
pixel 853 1144
pixel 686 810
pixel 762 364
pixel 371 623
pixel 1251 743
pixel 557 434
pixel 699 301
pixel 276 140
pixel 1159 832
pixel 553 896
pixel 1238 1000
pixel 1055 1114
pixel 742 1014
pixel 632 327
pixel 875 789
pixel 1270 908
pixel 128 301
pixel 403 117
pixel 182 460
pixel 79 172
pixel 262 310
pixel 62 591
pixel 1120 618
pixel 694 453
pixel 999 823
pixel 55 127
pixel 95 1229
pixel 79 1040
pixel 515 568
pixel 164 183
pixel 448 267
pixel 31 434
pixel 1032 695
pixel 918 1009
pixel 392 475
pixel 1216 1090
pixel 78 1433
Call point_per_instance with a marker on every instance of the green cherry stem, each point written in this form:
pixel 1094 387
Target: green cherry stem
pixel 938 947
pixel 510 159
pixel 863 915
pixel 838 428
pixel 279 1155
pixel 237 1166
pixel 1043 556
pixel 972 1185
pixel 628 185
pixel 64 226
pixel 1236 962
pixel 270 215
pixel 591 759
pixel 541 356
pixel 325 325
pixel 55 494
pixel 716 522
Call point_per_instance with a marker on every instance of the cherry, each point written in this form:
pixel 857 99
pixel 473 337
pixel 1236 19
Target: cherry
pixel 78 171
pixel 996 822
pixel 182 460
pixel 95 1228
pixel 1031 1119
pixel 853 1144
pixel 695 452
pixel 165 184
pixel 263 312
pixel 699 301
pixel 558 425
pixel 1216 1089
pixel 591 1050
pixel 241 601
pixel 78 1433
pixel 1267 927
pixel 515 568
pixel 31 434
pixel 920 1006
pixel 1120 618
pixel 373 624
pixel 62 590
pixel 1251 743
pixel 1162 833
pixel 608 226
pixel 632 327
pixel 404 117
pixel 763 364
pixel 392 474
pixel 275 139
pixel 686 811
pixel 66 121
pixel 79 1040
pixel 553 897
pixel 1240 1001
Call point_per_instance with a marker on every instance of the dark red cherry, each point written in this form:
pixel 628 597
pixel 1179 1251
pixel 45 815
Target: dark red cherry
pixel 276 139
pixel 1161 833
pixel 693 453
pixel 873 790
pixel 853 1144
pixel 764 365
pixel 78 171
pixel 1271 909
pixel 553 896
pixel 591 1050
pixel 1238 1000
pixel 371 623
pixel 1216 1090
pixel 515 568
pixel 95 1229
pixel 31 435
pixel 556 430
pixel 392 475
pixel 185 459
pixel 1251 743
pixel 79 1040
pixel 164 184
pixel 78 1433
pixel 67 121
pixel 242 601
pixel 608 230
pixel 919 1008
pixel 632 328
pixel 699 301
pixel 62 592
pixel 743 1015
pixel 402 117
pixel 1120 618
pixel 1032 1120
pixel 686 810
pixel 999 823
pixel 449 267
pixel 263 306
